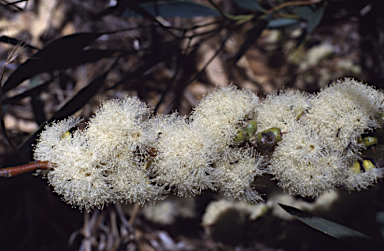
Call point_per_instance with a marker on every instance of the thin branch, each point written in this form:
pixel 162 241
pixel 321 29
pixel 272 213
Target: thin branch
pixel 196 26
pixel 120 213
pixel 114 230
pixel 295 3
pixel 86 231
pixel 217 8
pixel 134 213
pixel 210 60
pixel 16 170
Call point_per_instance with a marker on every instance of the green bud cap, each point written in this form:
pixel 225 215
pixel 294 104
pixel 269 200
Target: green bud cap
pixel 269 137
pixel 277 133
pixel 369 141
pixel 240 137
pixel 251 128
pixel 381 114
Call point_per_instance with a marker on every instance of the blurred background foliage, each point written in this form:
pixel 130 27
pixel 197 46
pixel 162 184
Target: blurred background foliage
pixel 62 57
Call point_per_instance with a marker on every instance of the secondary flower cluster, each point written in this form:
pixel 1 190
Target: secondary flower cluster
pixel 309 143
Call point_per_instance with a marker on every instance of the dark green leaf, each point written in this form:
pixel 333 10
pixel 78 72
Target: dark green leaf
pixel 282 23
pixel 58 54
pixel 136 8
pixel 304 12
pixel 83 57
pixel 351 238
pixel 15 42
pixel 174 9
pixel 36 102
pixel 250 5
pixel 73 105
pixel 30 92
pixel 81 98
pixel 315 20
pixel 380 220
pixel 325 226
pixel 89 56
pixel 313 17
pixel 380 217
pixel 86 56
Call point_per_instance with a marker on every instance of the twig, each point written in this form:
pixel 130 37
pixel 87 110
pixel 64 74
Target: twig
pixel 114 230
pixel 197 75
pixel 86 231
pixel 120 213
pixel 16 170
pixel 134 213
pixel 287 4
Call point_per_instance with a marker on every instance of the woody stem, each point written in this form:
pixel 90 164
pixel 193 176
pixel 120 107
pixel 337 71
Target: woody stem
pixel 16 170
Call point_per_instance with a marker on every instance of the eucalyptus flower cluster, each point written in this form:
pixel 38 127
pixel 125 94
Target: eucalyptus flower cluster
pixel 309 143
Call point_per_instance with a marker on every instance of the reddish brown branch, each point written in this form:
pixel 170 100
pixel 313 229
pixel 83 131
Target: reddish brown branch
pixel 16 170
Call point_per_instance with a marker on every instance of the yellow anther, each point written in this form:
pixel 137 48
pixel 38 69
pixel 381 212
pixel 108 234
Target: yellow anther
pixel 368 165
pixel 66 135
pixel 356 167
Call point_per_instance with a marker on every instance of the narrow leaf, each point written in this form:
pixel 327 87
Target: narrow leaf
pixel 90 56
pixel 315 20
pixel 313 17
pixel 54 55
pixel 304 12
pixel 282 23
pixel 30 92
pixel 36 102
pixel 250 5
pixel 351 238
pixel 16 42
pixel 81 98
pixel 174 9
pixel 73 105
pixel 86 56
pixel 325 226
